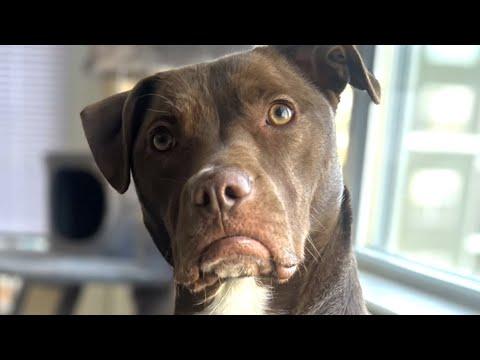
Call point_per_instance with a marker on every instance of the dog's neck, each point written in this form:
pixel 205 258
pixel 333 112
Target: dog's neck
pixel 326 283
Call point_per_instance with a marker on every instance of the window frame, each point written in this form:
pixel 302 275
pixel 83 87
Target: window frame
pixel 440 284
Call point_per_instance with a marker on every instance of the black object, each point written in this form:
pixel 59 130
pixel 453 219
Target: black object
pixel 77 204
pixel 83 211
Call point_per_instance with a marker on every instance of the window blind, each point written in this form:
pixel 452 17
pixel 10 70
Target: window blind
pixel 33 97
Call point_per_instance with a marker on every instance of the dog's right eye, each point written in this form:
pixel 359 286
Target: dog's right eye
pixel 163 139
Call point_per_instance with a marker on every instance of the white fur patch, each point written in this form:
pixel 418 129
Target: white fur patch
pixel 242 296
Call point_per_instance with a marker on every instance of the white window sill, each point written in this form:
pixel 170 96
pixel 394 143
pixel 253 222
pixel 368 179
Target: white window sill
pixel 388 297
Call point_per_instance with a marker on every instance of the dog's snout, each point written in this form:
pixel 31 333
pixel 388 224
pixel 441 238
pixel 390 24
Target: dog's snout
pixel 221 190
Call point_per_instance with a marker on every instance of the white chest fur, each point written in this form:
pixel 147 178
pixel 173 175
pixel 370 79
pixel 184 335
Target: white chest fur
pixel 241 296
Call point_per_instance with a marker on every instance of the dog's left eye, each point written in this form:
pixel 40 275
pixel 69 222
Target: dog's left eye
pixel 163 139
pixel 280 114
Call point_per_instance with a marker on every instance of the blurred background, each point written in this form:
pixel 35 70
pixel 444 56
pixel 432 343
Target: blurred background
pixel 412 164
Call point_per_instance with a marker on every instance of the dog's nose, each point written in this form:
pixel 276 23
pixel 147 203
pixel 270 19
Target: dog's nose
pixel 221 190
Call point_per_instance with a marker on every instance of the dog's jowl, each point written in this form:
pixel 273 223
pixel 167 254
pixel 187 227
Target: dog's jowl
pixel 235 166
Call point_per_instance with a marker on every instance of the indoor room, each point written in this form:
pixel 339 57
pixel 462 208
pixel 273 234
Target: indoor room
pixel 71 243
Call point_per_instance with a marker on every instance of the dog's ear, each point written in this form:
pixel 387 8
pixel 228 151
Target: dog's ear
pixel 109 127
pixel 332 67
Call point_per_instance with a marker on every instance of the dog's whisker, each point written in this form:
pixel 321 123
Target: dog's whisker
pixel 304 268
pixel 311 254
pixel 212 296
pixel 318 222
pixel 310 241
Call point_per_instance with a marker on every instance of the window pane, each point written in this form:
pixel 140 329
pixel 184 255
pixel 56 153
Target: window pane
pixel 32 123
pixel 420 196
pixel 342 123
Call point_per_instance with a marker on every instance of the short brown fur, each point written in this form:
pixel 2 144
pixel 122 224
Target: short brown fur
pixel 298 207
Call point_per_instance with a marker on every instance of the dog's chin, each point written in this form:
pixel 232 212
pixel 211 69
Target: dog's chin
pixel 235 257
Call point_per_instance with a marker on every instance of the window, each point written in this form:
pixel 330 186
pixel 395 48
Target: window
pixel 342 123
pixel 420 190
pixel 32 123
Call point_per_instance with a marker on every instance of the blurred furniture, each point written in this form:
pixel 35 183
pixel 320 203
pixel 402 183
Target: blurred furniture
pixel 83 212
pixel 95 236
pixel 65 274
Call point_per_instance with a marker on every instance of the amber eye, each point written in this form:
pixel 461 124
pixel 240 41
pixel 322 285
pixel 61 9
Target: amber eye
pixel 280 114
pixel 163 139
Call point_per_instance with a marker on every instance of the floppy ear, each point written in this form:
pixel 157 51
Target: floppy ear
pixel 332 67
pixel 109 127
pixel 102 123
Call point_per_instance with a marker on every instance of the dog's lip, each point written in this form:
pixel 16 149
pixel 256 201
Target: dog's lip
pixel 247 246
pixel 244 244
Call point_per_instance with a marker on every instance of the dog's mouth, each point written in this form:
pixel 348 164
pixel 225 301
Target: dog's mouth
pixel 238 256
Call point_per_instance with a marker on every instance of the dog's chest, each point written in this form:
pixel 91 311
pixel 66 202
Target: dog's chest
pixel 241 296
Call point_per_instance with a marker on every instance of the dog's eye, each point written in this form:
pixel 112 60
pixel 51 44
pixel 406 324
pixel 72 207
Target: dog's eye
pixel 280 114
pixel 163 139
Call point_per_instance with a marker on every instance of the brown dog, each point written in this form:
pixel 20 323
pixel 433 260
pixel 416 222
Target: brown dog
pixel 235 165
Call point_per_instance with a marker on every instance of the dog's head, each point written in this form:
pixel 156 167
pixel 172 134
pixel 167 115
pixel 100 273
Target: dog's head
pixel 234 161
